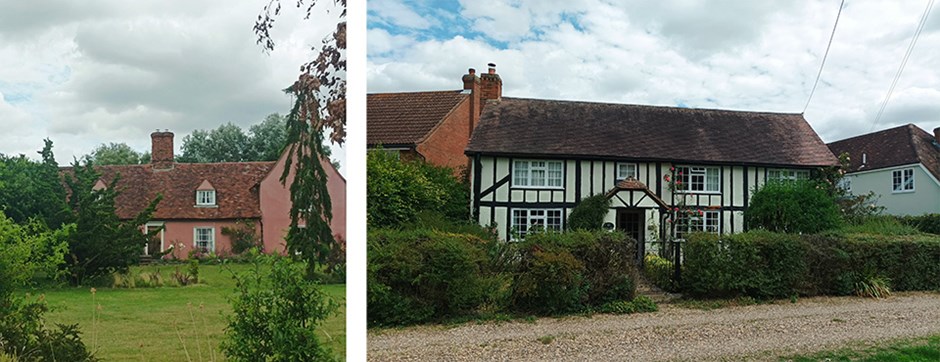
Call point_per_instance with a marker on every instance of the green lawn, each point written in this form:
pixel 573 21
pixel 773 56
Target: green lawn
pixel 148 324
pixel 919 349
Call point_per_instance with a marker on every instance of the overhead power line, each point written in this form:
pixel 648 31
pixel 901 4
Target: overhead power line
pixel 907 55
pixel 818 75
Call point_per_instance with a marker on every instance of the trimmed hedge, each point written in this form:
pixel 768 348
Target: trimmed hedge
pixel 420 276
pixel 762 264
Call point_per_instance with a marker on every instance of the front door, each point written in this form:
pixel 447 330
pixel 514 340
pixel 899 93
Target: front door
pixel 156 243
pixel 632 222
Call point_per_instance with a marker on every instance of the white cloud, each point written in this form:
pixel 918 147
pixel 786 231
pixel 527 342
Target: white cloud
pixel 395 13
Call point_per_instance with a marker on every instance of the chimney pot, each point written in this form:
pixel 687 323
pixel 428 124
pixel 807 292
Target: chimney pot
pixel 492 69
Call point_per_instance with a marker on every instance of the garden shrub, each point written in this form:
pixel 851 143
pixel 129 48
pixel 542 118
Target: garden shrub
pixel 243 235
pixel 397 190
pixel 589 214
pixel 275 315
pixel 660 271
pixel 640 304
pixel 759 264
pixel 793 207
pixel 418 276
pixel 566 272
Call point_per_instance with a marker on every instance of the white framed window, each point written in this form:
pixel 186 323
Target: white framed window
pixel 902 180
pixel 205 198
pixel 779 174
pixel 525 221
pixel 698 179
pixel 537 173
pixel 706 222
pixel 625 171
pixel 845 184
pixel 204 238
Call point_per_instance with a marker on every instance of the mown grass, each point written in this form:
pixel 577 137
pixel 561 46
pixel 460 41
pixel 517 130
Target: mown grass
pixel 919 349
pixel 166 323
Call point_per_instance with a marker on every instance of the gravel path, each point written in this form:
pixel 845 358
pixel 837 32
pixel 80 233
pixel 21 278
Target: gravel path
pixel 757 332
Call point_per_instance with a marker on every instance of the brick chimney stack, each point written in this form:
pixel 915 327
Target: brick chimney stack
pixel 471 83
pixel 161 151
pixel 492 85
pixel 936 134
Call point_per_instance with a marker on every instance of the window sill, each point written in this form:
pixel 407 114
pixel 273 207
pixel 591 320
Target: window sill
pixel 903 192
pixel 207 206
pixel 545 188
pixel 699 192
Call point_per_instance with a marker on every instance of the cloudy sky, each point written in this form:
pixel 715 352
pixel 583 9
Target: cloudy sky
pixel 92 72
pixel 744 55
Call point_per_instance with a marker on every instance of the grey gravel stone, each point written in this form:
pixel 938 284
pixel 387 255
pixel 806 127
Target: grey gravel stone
pixel 756 332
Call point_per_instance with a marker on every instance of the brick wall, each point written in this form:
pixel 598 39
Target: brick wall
pixel 446 144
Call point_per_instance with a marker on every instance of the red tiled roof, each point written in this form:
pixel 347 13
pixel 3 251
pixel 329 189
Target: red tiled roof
pixel 235 183
pixel 903 145
pixel 407 118
pixel 565 128
pixel 633 184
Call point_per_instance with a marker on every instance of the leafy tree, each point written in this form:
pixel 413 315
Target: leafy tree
pixel 228 143
pixel 793 207
pixel 326 71
pixel 266 140
pixel 396 191
pixel 117 154
pixel 589 214
pixel 30 189
pixel 102 243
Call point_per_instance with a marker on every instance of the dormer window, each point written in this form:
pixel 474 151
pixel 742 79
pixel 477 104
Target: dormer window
pixel 205 194
pixel 205 198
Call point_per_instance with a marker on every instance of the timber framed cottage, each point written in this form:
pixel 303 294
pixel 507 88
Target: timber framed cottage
pixel 533 160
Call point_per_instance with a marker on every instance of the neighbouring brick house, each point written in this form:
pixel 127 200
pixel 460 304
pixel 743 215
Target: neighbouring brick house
pixel 900 165
pixel 199 199
pixel 431 126
pixel 534 160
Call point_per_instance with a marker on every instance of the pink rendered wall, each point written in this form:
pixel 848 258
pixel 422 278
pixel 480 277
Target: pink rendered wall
pixel 275 205
pixel 182 232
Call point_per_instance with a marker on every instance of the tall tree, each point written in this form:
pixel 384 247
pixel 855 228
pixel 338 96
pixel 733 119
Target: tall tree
pixel 30 189
pixel 101 242
pixel 227 143
pixel 319 104
pixel 116 154
pixel 267 139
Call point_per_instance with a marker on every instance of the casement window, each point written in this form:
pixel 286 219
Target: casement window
pixel 205 198
pixel 535 173
pixel 698 179
pixel 625 171
pixel 787 175
pixel 525 221
pixel 204 238
pixel 845 184
pixel 707 222
pixel 902 180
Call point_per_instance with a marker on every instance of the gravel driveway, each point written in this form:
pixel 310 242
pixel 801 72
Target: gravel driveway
pixel 757 332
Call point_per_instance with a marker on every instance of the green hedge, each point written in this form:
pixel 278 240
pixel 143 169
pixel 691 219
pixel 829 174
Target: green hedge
pixel 928 223
pixel 569 272
pixel 764 265
pixel 420 276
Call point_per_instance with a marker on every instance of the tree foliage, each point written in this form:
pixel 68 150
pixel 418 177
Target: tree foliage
pixel 101 243
pixel 793 207
pixel 31 189
pixel 398 190
pixel 326 71
pixel 117 154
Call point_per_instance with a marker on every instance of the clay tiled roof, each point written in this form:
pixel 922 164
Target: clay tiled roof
pixel 549 128
pixel 407 118
pixel 903 145
pixel 633 184
pixel 235 183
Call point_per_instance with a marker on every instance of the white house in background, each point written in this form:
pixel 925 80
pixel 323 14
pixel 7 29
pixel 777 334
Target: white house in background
pixel 901 165
pixel 534 160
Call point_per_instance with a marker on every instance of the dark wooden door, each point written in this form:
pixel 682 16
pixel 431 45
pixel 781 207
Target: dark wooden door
pixel 632 222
